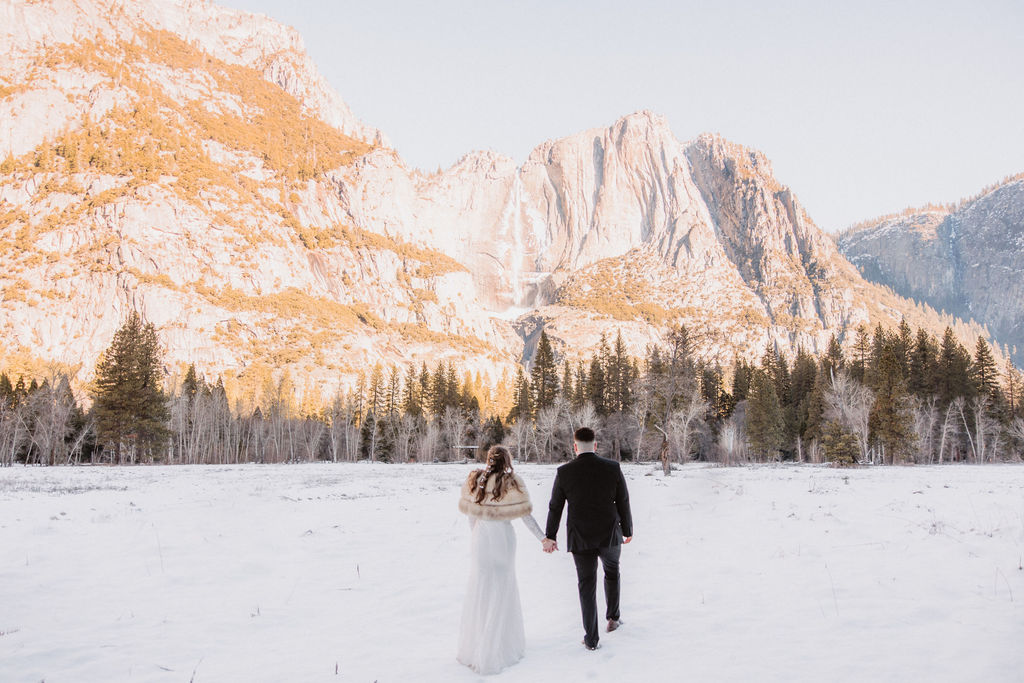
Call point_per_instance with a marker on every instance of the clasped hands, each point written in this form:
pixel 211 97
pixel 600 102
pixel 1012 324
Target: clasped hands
pixel 551 546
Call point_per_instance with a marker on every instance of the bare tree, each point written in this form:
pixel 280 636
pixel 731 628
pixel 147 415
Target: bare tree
pixel 406 429
pixel 685 423
pixel 312 433
pixel 731 441
pixel 849 403
pixel 1017 432
pixel 640 410
pixel 949 427
pixel 584 416
pixel 350 428
pixel 924 418
pixel 276 435
pixel 229 430
pixel 50 408
pixel 522 431
pixel 430 441
pixel 454 423
pixel 78 441
pixel 546 427
pixel 13 432
pixel 676 377
pixel 985 441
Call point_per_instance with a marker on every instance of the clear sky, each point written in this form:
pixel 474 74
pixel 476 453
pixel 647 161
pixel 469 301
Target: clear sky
pixel 863 107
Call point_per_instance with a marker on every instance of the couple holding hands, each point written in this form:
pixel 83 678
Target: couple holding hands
pixel 598 523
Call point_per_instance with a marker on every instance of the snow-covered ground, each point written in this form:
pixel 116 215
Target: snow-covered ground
pixel 355 573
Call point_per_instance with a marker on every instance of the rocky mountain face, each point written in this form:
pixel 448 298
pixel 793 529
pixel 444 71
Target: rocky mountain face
pixel 188 161
pixel 968 261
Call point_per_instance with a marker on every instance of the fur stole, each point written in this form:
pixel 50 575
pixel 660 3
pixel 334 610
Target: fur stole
pixel 514 505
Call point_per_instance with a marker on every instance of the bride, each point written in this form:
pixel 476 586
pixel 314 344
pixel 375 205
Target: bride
pixel 492 635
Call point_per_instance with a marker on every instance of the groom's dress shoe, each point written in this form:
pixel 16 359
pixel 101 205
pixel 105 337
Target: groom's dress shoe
pixel 589 647
pixel 614 624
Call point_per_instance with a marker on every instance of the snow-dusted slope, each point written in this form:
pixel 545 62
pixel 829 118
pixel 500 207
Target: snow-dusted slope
pixel 28 29
pixel 968 261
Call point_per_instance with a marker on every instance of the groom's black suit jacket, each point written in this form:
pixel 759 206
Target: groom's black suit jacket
pixel 599 514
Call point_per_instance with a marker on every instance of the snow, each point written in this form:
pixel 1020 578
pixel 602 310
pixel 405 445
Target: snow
pixel 294 572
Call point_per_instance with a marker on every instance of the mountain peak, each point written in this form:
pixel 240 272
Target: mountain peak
pixel 644 118
pixel 746 160
pixel 31 31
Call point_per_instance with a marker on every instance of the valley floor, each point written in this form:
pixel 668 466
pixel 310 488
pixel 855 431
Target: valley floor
pixel 355 573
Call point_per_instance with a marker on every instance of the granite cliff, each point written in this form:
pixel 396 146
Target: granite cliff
pixel 188 161
pixel 968 260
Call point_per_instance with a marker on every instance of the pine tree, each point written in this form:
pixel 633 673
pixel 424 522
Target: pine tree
pixel 579 393
pixel 369 435
pixel 424 394
pixel 438 390
pixel 492 432
pixel 596 386
pixel 1013 388
pixel 566 386
pixel 620 377
pixel 451 387
pixel 412 399
pixel 522 408
pixel 923 361
pixel 840 446
pixel 952 371
pixel 904 342
pixel 833 360
pixel 359 396
pixel 861 354
pixel 713 391
pixel 20 392
pixel 6 390
pixel 984 375
pixel 878 344
pixel 393 392
pixel 376 392
pixel 889 418
pixel 128 401
pixel 765 423
pixel 802 384
pixel 544 375
pixel 192 385
pixel 815 418
pixel 769 363
pixel 741 380
pixel 468 401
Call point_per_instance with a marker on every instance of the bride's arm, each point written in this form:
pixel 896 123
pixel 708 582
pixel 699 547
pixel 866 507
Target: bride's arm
pixel 531 524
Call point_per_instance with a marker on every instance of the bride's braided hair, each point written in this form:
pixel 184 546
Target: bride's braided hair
pixel 499 463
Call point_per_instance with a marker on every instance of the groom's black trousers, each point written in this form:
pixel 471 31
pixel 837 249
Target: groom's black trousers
pixel 586 575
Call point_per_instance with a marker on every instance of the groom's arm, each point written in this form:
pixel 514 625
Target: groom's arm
pixel 622 505
pixel 555 509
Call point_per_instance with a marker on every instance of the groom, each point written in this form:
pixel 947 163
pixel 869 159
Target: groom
pixel 599 523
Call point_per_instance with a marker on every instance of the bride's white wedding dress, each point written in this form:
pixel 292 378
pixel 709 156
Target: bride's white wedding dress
pixel 492 636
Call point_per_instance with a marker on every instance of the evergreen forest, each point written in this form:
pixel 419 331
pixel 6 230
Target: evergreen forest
pixel 892 396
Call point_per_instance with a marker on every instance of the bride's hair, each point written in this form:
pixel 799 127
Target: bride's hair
pixel 499 463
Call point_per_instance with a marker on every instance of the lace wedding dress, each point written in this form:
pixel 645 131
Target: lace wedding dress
pixel 492 635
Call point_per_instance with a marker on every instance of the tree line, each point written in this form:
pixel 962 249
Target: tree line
pixel 892 396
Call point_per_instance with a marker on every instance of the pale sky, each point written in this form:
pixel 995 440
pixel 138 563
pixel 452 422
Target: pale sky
pixel 863 107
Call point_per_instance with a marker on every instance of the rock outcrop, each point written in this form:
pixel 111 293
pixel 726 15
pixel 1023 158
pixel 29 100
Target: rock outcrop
pixel 968 261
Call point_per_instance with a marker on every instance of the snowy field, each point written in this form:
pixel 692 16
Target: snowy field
pixel 355 573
